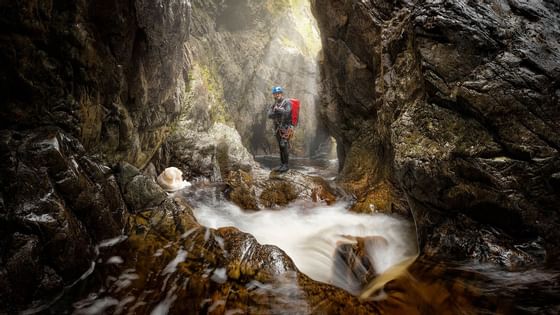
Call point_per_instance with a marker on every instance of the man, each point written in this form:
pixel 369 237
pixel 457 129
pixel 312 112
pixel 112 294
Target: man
pixel 281 113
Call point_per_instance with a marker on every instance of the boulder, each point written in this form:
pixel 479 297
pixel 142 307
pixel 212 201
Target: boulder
pixel 139 191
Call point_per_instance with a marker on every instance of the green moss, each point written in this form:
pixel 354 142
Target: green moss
pixel 286 42
pixel 211 84
pixel 279 193
pixel 305 26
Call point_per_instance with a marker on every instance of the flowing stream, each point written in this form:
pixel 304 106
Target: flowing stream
pixel 359 253
pixel 311 237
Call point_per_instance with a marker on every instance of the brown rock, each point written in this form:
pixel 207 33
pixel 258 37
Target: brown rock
pixel 452 107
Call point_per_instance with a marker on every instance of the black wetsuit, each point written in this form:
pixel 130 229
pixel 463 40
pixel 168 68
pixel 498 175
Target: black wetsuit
pixel 281 113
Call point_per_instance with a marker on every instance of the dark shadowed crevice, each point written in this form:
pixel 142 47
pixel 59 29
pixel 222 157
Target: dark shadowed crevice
pixel 502 218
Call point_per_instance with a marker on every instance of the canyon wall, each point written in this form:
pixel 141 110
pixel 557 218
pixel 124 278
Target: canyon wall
pixel 453 107
pixel 239 50
pixel 83 86
pixel 110 74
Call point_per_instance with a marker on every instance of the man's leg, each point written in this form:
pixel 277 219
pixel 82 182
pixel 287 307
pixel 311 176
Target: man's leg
pixel 284 154
pixel 279 140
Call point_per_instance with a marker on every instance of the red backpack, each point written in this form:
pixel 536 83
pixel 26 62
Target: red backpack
pixel 295 111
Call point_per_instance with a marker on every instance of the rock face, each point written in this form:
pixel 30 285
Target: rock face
pixel 239 51
pixel 56 204
pixel 455 105
pixel 109 73
pixel 82 86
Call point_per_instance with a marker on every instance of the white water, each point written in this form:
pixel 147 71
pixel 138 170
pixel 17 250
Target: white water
pixel 310 236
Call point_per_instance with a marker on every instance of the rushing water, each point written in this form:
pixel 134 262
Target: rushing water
pixel 159 280
pixel 311 236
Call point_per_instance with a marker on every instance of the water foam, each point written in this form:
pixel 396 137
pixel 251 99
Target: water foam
pixel 311 236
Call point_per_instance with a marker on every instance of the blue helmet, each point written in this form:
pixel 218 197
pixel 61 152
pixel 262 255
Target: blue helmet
pixel 277 89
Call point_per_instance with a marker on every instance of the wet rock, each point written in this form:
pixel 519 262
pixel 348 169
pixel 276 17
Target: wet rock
pixel 262 188
pixel 241 191
pixel 480 243
pixel 57 203
pixel 150 171
pixel 169 221
pixel 140 192
pixel 278 193
pixel 355 255
pixel 96 71
pixel 322 191
pixel 555 181
pixel 208 271
pixel 306 187
pixel 461 118
pixel 250 260
pixel 211 153
pixel 22 265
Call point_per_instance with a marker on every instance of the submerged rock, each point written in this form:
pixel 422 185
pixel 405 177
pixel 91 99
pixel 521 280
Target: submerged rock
pixel 356 253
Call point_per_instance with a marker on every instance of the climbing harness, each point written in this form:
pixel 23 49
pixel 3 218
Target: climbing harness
pixel 286 133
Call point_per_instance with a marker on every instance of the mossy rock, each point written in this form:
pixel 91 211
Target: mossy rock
pixel 322 191
pixel 244 197
pixel 280 193
pixel 242 192
pixel 379 199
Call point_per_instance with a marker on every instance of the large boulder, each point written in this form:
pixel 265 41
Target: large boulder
pixel 208 153
pixel 140 192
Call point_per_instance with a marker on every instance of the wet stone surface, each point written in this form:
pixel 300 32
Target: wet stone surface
pixel 57 203
pixel 450 109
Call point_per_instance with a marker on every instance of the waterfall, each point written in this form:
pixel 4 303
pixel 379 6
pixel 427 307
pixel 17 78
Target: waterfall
pixel 313 237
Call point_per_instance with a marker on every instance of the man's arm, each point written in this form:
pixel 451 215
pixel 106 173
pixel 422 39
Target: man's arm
pixel 286 109
pixel 271 111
